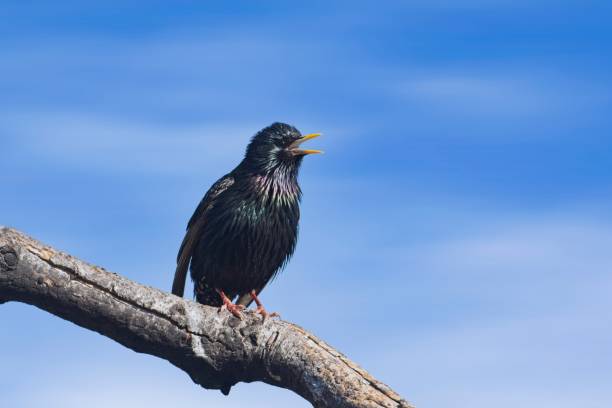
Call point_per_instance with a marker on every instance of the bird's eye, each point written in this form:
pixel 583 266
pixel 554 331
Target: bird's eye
pixel 281 142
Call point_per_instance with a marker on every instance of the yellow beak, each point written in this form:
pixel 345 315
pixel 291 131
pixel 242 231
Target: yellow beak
pixel 294 147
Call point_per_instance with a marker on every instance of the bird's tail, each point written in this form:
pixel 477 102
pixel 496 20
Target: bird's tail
pixel 184 258
pixel 182 264
pixel 180 275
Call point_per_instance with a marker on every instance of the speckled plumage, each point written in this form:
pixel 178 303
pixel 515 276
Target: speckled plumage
pixel 245 228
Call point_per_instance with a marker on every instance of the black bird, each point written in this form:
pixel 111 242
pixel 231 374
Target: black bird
pixel 245 228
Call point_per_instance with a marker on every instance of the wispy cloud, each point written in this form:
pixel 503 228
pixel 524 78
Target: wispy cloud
pixel 482 95
pixel 110 144
pixel 115 145
pixel 126 379
pixel 520 302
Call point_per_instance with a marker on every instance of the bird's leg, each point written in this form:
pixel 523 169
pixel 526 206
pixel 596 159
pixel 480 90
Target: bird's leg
pixel 227 303
pixel 260 309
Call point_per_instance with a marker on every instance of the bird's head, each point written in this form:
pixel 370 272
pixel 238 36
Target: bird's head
pixel 278 147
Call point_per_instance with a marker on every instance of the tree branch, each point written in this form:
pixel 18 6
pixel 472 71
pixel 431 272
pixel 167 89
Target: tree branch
pixel 216 349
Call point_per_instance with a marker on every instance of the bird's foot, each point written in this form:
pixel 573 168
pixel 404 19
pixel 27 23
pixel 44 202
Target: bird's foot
pixel 260 309
pixel 236 310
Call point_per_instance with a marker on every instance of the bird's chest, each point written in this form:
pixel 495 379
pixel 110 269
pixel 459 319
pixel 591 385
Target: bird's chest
pixel 267 221
pixel 263 219
pixel 249 235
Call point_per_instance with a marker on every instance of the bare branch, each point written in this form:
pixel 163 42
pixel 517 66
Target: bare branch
pixel 216 349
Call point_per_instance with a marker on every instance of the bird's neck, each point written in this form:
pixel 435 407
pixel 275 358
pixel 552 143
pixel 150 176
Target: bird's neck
pixel 279 185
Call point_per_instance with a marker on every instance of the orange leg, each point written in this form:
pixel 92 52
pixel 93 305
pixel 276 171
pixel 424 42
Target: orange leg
pixel 227 303
pixel 260 309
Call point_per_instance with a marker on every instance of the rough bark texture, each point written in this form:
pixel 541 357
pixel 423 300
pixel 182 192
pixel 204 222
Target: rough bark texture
pixel 216 349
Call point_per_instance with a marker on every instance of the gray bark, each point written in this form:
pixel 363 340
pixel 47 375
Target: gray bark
pixel 216 349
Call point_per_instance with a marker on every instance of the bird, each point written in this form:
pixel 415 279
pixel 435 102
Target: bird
pixel 245 228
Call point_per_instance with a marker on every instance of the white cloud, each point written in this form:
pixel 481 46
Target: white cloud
pixel 113 145
pixel 482 95
pixel 136 382
pixel 549 247
pixel 525 319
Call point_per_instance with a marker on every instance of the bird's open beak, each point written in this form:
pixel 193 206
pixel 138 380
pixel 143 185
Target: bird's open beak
pixel 295 146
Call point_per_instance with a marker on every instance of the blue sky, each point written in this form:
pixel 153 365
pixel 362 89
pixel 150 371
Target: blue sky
pixel 455 237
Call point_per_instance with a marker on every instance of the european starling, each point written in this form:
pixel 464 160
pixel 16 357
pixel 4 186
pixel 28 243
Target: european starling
pixel 245 228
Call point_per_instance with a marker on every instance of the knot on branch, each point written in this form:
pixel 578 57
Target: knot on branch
pixel 8 258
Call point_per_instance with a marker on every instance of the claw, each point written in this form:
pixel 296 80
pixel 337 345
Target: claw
pixel 235 310
pixel 227 303
pixel 260 309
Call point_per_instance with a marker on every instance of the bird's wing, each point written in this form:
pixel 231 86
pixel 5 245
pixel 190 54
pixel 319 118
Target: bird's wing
pixel 194 229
